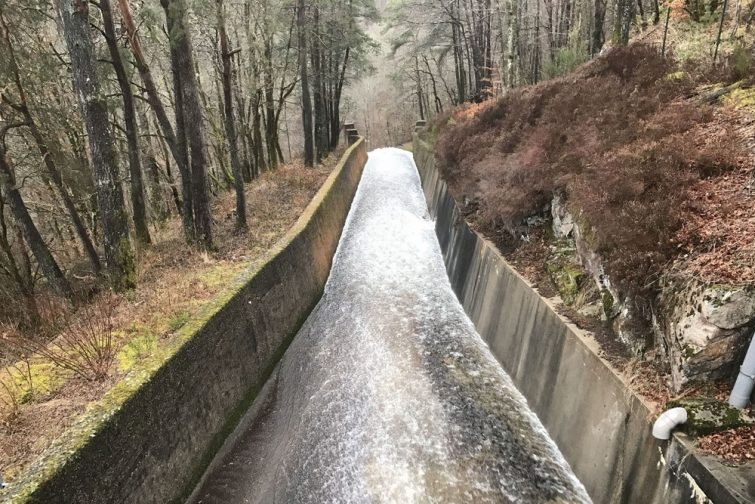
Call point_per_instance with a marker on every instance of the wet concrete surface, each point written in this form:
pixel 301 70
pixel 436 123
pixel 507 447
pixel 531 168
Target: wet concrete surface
pixel 388 394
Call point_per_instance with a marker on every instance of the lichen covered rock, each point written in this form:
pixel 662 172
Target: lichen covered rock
pixel 706 416
pixel 703 330
pixel 615 308
pixel 565 271
pixel 728 308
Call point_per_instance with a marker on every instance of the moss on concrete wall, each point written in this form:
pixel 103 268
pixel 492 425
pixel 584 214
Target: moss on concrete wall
pixel 151 437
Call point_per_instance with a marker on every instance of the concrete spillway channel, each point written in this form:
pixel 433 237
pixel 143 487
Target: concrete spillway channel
pixel 388 394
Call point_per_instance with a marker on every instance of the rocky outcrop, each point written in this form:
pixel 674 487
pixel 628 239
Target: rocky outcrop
pixel 706 416
pixel 703 330
pixel 611 304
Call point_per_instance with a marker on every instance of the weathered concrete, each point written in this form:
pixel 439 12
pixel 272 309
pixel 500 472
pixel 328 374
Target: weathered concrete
pixel 150 439
pixel 602 427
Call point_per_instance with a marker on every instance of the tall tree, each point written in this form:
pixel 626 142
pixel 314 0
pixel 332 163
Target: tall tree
pixel 175 140
pixel 321 124
pixel 598 34
pixel 119 257
pixel 230 122
pixel 31 234
pixel 306 100
pixel 138 203
pixel 183 61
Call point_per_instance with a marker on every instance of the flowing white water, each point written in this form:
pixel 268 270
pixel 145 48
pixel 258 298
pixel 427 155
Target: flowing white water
pixel 388 394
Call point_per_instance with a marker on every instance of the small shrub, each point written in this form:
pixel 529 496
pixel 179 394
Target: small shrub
pixel 86 344
pixel 10 400
pixel 178 320
pixel 739 64
pixel 565 60
pixel 16 388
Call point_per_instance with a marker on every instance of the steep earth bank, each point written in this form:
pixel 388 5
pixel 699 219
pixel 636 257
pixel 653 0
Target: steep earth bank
pixel 626 188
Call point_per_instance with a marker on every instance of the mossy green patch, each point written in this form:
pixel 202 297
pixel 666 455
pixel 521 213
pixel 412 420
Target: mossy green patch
pixel 741 98
pixel 706 416
pixel 608 302
pixel 219 275
pixel 127 260
pixel 34 380
pixel 178 320
pixel 565 272
pixel 136 349
pixel 676 76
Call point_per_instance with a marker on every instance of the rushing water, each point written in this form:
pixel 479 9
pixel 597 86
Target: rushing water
pixel 388 394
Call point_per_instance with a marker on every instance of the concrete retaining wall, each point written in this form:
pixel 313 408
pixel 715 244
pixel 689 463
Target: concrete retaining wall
pixel 602 428
pixel 150 441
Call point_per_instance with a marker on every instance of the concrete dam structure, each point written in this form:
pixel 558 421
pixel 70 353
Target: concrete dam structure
pixel 388 394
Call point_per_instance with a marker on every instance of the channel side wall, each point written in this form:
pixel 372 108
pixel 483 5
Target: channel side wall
pixel 150 439
pixel 601 426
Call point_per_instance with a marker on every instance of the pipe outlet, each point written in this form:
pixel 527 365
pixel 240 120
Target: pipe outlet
pixel 668 421
pixel 742 391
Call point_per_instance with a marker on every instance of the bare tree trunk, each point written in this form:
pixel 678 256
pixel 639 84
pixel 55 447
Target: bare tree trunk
pixel 44 151
pixel 598 33
pixel 42 254
pixel 461 78
pixel 138 204
pixel 17 268
pixel 230 126
pixel 626 16
pixel 182 148
pixel 160 209
pixel 513 43
pixel 641 8
pixel 335 120
pixel 184 62
pixel 119 256
pixel 259 152
pixel 169 175
pixel 176 140
pixel 438 102
pixel 565 25
pixel 321 141
pixel 271 130
pixel 420 97
pixel 309 150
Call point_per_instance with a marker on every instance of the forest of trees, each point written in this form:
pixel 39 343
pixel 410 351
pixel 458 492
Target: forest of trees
pixel 118 114
pixel 453 51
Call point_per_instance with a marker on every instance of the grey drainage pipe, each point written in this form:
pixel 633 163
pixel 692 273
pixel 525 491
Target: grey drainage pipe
pixel 742 391
pixel 668 421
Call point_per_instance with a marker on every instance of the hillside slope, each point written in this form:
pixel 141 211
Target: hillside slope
pixel 627 188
